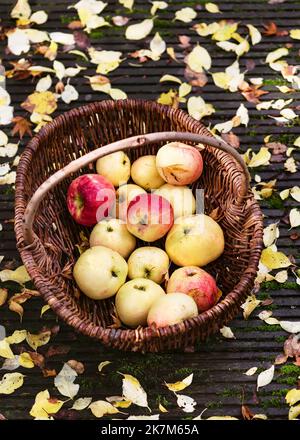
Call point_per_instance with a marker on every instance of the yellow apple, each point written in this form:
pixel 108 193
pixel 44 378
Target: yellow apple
pixel 144 173
pixel 113 233
pixel 148 262
pixel 178 163
pixel 99 272
pixel 172 308
pixel 134 299
pixel 124 195
pixel 181 198
pixel 195 240
pixel 115 167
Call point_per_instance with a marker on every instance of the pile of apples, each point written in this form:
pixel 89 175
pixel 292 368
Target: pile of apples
pixel 158 203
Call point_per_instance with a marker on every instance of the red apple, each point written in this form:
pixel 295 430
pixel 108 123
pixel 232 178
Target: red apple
pixel 197 283
pixel 90 198
pixel 149 217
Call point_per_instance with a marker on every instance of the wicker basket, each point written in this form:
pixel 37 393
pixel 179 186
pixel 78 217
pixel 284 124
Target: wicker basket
pixel 47 235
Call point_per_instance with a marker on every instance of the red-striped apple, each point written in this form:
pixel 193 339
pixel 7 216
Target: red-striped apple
pixel 149 217
pixel 125 194
pixel 197 283
pixel 178 163
pixel 90 198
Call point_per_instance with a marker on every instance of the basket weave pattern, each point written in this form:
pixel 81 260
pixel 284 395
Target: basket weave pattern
pixel 50 258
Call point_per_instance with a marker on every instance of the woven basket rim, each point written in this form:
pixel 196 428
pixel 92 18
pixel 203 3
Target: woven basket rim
pixel 109 335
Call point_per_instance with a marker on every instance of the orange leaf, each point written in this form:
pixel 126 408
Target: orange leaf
pixel 21 126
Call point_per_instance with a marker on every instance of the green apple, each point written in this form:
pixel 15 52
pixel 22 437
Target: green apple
pixel 148 262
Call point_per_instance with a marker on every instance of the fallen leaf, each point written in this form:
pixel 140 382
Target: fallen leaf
pixel 17 337
pixel 227 332
pixel 198 59
pixel 25 360
pixel 102 365
pixel 276 55
pixel 187 403
pixel 21 127
pixel 295 193
pixel 44 406
pixel 132 390
pixel 20 275
pixel 37 340
pixel 186 15
pixel 156 5
pixel 180 385
pixel 10 382
pixel 265 377
pixel 246 413
pixel 231 139
pixel 253 93
pixel 44 309
pixel 64 382
pixel 290 165
pixel 249 305
pixel 81 403
pixel 3 296
pixel 295 34
pixel 292 396
pixel 196 79
pixel 294 218
pixel 251 371
pixel 140 30
pixel 273 259
pixel 127 3
pixel 212 8
pixel 280 359
pixel 294 412
pixel 198 108
pixel 101 408
pixel 271 233
pixel 5 350
pixel 40 102
pixel 254 34
pixel 11 364
pixel 162 408
pixel 290 326
pixel 77 366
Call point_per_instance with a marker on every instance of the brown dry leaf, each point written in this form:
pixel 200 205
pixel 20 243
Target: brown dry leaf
pixel 49 373
pixel 194 78
pixel 184 41
pixel 249 305
pixel 21 127
pixel 246 413
pixel 276 147
pixel 252 93
pixel 21 70
pixel 19 298
pixel 271 29
pixel 231 139
pixel 291 346
pixel 77 366
pixel 43 103
pixel 280 359
pixel 3 296
pixel 57 350
pixel 75 24
pixel 37 358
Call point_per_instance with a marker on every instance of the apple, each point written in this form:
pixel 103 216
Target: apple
pixel 149 217
pixel 99 272
pixel 125 194
pixel 195 240
pixel 148 262
pixel 113 233
pixel 197 283
pixel 134 299
pixel 144 173
pixel 115 167
pixel 181 198
pixel 171 309
pixel 178 163
pixel 90 198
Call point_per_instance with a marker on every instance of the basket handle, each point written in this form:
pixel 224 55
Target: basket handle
pixel 125 144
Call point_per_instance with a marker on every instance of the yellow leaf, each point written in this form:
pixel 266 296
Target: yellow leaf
pixel 100 408
pixel 170 78
pixel 273 259
pixel 212 8
pixel 127 3
pixel 169 98
pixel 40 102
pixel 288 113
pixel 158 5
pixel 198 108
pixel 225 31
pixel 227 332
pixel 260 158
pixel 221 418
pixel 294 218
pixel 295 193
pixel 44 406
pixel 295 34
pixel 44 309
pixel 249 305
pixel 107 60
pixel 102 365
pixel 25 360
pixel 297 142
pixel 290 165
pixel 157 46
pixel 294 412
pixel 35 341
pixel 224 127
pixel 10 382
pixel 251 371
pixel 133 391
pixel 122 404
pixel 254 34
pixel 204 29
pixel 117 94
pixel 281 277
pixel 21 10
pixel 20 275
pixel 292 396
pixel 17 337
pixel 276 54
pixel 180 385
pixel 284 194
pixel 140 30
pixel 221 79
pixel 186 15
pixel 199 59
pixel 3 296
pixel 271 232
pixel 162 408
pixel 5 350
pixel 39 17
pixel 184 89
